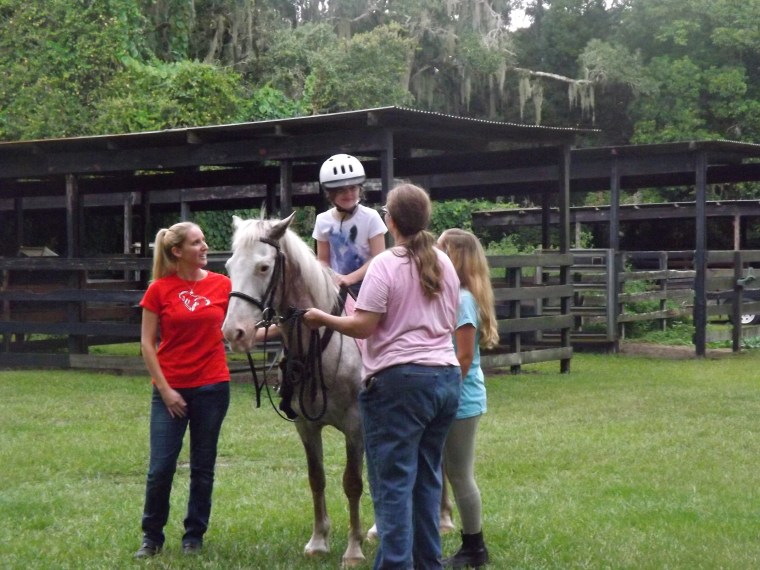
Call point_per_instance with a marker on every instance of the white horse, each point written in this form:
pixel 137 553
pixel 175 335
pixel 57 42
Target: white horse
pixel 275 276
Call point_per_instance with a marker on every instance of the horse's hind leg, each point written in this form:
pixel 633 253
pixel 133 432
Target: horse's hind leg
pixel 352 486
pixel 446 523
pixel 311 437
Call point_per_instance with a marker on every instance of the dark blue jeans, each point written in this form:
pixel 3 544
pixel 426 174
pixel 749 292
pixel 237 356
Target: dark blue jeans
pixel 407 411
pixel 206 408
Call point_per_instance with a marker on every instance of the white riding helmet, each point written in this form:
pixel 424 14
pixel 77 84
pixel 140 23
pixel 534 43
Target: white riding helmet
pixel 341 170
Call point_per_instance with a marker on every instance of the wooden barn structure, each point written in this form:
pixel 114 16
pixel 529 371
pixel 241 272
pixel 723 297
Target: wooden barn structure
pixel 79 301
pixel 694 164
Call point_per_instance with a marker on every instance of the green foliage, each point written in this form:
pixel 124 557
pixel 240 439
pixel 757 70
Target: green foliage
pixel 167 95
pixel 268 103
pixel 364 72
pixel 217 225
pixel 679 332
pixel 289 59
pixel 455 214
pixel 55 55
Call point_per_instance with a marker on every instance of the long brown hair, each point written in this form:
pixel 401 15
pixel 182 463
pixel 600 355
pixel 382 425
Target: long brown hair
pixel 409 207
pixel 164 260
pixel 469 259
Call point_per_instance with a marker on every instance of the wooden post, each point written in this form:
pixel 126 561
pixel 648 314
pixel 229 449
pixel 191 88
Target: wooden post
pixel 563 190
pixel 700 256
pixel 18 206
pixel 73 219
pixel 286 188
pixel 737 232
pixel 514 340
pixel 386 174
pixel 76 311
pixel 736 307
pixel 614 229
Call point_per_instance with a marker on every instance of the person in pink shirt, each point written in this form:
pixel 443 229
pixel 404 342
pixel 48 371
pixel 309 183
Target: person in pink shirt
pixel 407 312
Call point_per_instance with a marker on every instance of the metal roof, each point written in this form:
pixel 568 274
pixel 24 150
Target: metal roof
pixel 410 126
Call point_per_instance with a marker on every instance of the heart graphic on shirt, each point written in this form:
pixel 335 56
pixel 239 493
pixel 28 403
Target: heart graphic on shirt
pixel 193 301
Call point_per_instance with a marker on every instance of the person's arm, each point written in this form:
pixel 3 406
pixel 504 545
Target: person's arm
pixel 268 333
pixel 376 247
pixel 465 336
pixel 323 252
pixel 359 325
pixel 174 402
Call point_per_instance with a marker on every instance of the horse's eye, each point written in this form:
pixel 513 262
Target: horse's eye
pixel 263 268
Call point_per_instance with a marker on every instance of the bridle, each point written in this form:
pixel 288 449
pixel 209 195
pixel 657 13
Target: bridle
pixel 266 303
pixel 306 366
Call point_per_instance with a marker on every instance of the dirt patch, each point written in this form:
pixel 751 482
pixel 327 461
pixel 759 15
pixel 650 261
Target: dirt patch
pixel 668 351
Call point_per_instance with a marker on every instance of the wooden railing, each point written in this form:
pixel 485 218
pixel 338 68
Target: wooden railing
pixel 52 309
pixel 521 299
pixel 618 290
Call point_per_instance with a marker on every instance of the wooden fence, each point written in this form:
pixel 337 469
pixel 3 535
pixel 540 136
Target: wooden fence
pixel 53 309
pixel 615 291
pixel 521 292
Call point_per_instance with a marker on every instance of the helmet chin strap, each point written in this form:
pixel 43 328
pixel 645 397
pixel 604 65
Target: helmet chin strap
pixel 347 211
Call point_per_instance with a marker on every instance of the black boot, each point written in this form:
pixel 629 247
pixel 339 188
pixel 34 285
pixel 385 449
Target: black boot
pixel 473 553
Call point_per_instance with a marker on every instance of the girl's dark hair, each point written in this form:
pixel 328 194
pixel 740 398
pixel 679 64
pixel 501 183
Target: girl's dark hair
pixel 409 206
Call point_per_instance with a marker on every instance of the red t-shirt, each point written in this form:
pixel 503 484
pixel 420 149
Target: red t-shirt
pixel 190 351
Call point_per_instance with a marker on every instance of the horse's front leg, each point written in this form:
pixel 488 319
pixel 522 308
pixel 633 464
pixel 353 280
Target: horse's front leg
pixel 352 486
pixel 311 437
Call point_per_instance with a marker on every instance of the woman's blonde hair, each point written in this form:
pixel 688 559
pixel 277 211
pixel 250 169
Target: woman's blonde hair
pixel 469 259
pixel 164 260
pixel 409 207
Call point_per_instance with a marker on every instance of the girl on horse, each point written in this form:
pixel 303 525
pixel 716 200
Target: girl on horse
pixel 406 311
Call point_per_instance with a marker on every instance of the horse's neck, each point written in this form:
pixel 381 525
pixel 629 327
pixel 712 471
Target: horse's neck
pixel 298 294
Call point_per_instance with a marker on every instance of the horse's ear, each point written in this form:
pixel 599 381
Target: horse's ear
pixel 236 221
pixel 263 211
pixel 278 230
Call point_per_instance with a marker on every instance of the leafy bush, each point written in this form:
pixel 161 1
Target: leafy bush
pixel 145 97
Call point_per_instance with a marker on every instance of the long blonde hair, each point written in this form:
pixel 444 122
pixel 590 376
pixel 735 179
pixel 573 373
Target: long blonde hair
pixel 164 260
pixel 409 206
pixel 469 260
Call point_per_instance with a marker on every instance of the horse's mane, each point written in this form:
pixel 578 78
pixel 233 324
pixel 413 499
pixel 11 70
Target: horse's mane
pixel 303 265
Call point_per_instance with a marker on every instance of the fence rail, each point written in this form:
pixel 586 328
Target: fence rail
pixel 625 288
pixel 52 310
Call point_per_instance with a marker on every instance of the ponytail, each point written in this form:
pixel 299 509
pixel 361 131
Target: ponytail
pixel 164 260
pixel 409 206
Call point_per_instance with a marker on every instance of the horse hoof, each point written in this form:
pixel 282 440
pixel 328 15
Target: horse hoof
pixel 352 562
pixel 316 548
pixel 372 533
pixel 315 552
pixel 445 525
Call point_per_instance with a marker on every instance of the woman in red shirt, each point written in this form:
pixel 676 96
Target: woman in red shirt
pixel 183 349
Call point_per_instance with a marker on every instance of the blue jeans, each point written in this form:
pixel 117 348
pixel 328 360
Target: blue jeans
pixel 406 412
pixel 206 408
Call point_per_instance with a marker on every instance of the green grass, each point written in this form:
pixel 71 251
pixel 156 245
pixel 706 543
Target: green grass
pixel 625 463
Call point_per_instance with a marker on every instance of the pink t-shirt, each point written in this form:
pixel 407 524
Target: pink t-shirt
pixel 413 329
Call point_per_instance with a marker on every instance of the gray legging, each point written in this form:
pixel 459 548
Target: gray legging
pixel 459 464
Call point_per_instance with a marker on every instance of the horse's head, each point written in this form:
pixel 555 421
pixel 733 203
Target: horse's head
pixel 255 269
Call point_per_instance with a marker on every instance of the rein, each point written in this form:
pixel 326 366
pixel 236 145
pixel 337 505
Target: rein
pixel 301 369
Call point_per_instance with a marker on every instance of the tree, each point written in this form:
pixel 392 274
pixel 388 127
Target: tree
pixel 54 58
pixel 145 97
pixel 706 64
